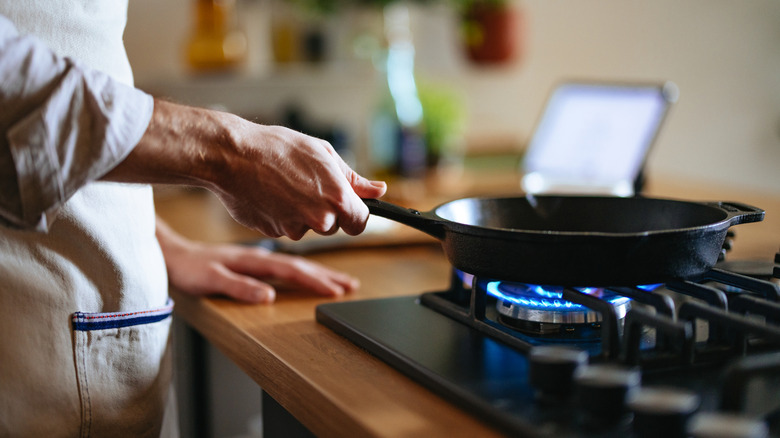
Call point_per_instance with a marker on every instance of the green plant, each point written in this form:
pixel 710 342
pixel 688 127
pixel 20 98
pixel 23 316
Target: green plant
pixel 464 6
pixel 443 118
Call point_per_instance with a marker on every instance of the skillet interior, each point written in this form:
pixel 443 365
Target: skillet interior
pixel 580 214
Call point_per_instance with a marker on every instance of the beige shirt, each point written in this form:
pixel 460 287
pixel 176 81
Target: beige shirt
pixel 84 309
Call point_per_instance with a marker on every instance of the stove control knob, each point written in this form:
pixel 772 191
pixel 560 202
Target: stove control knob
pixel 551 370
pixel 602 391
pixel 662 412
pixel 721 425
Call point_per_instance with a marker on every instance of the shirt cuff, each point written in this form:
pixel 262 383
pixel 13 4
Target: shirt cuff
pixel 86 127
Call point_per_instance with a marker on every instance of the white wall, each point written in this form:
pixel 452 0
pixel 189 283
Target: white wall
pixel 723 54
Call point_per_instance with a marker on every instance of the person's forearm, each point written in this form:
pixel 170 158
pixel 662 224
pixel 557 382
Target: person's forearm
pixel 270 178
pixel 181 145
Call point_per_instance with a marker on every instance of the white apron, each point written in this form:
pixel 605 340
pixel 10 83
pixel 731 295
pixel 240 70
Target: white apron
pixel 84 310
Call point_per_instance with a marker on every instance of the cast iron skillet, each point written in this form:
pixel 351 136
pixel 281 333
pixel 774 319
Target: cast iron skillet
pixel 577 240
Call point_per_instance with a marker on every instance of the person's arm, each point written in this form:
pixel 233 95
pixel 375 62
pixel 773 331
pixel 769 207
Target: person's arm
pixel 65 125
pixel 270 178
pixel 278 181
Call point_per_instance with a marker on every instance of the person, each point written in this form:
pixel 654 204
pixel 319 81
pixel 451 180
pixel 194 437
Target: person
pixel 84 262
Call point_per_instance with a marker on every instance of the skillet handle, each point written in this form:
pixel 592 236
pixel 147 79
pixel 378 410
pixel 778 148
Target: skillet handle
pixel 739 213
pixel 406 216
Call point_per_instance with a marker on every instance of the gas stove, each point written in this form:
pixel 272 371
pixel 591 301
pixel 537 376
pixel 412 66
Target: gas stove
pixel 685 358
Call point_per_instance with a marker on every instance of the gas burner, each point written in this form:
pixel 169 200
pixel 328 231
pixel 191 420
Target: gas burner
pixel 542 310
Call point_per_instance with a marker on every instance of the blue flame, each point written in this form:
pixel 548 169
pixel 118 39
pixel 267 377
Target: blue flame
pixel 549 298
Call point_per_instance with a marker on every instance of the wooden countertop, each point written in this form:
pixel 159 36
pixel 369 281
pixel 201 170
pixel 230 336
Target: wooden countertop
pixel 335 388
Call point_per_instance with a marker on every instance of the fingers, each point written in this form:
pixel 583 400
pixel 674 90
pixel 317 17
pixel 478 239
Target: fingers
pixel 295 271
pixel 249 274
pixel 366 188
pixel 296 183
pixel 328 284
pixel 354 213
pixel 326 224
pixel 241 287
pixel 363 187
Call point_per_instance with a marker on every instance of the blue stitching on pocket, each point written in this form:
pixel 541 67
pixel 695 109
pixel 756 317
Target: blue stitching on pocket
pixel 84 321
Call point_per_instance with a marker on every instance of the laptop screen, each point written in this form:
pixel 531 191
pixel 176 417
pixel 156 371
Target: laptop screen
pixel 594 138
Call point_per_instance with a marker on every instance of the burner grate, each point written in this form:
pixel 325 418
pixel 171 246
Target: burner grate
pixel 721 308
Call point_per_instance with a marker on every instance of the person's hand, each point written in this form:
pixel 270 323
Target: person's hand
pixel 247 274
pixel 270 178
pixel 283 182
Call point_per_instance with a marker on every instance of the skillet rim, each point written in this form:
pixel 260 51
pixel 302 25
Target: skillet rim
pixel 464 228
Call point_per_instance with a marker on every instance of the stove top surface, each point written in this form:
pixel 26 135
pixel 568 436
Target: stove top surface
pixel 498 381
pixel 459 363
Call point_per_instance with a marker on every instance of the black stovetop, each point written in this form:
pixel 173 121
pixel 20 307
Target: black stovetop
pixel 455 353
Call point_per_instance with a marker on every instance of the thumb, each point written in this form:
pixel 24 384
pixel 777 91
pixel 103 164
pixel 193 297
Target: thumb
pixel 364 187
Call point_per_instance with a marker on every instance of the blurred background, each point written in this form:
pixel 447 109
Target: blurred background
pixel 723 55
pixel 404 88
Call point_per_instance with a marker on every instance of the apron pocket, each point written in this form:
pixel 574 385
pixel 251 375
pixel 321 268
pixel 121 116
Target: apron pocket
pixel 123 368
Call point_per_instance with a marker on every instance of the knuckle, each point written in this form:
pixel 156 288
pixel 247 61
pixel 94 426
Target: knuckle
pixel 353 177
pixel 325 223
pixel 295 232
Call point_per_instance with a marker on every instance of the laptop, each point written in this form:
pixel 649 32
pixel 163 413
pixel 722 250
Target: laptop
pixel 594 138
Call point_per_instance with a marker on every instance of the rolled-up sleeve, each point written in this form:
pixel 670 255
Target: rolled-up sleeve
pixel 63 125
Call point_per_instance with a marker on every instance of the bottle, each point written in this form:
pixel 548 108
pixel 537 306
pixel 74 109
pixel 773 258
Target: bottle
pixel 397 135
pixel 216 43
